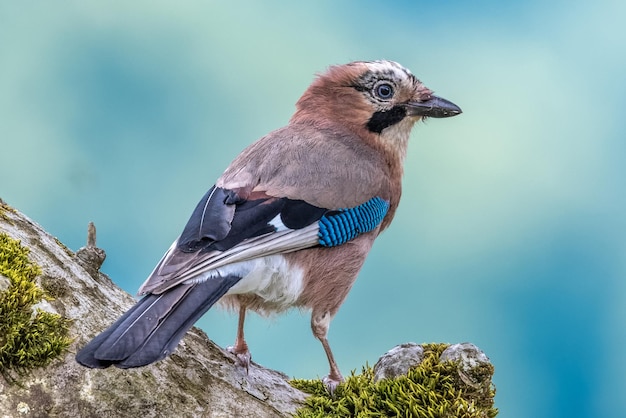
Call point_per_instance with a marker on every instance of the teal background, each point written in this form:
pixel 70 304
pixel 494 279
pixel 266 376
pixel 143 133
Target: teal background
pixel 511 231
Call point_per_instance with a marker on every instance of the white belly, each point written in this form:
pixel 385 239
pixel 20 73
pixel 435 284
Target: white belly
pixel 271 278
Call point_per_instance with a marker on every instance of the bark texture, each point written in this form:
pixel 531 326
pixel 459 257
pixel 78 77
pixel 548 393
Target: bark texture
pixel 198 380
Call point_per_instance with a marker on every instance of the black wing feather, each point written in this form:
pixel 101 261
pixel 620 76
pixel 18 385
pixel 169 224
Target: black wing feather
pixel 222 219
pixel 210 220
pixel 297 214
pixel 152 328
pixel 252 218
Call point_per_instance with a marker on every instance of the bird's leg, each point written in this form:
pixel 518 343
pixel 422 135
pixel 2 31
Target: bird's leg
pixel 240 349
pixel 320 322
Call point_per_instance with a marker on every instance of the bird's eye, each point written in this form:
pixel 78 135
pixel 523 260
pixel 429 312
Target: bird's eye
pixel 384 91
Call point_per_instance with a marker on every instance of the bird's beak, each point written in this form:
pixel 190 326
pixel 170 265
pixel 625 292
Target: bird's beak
pixel 435 107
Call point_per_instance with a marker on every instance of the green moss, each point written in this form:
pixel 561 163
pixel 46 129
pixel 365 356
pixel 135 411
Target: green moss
pixel 430 390
pixel 28 338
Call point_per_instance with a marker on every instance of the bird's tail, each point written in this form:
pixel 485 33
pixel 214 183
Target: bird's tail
pixel 152 328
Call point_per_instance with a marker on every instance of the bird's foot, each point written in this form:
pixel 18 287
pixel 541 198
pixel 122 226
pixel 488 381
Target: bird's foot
pixel 243 356
pixel 331 382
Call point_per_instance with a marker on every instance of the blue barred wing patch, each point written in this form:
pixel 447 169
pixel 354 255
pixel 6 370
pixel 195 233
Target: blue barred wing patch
pixel 343 225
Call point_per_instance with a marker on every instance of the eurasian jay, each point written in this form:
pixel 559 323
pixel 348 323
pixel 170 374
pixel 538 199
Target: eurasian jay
pixel 290 221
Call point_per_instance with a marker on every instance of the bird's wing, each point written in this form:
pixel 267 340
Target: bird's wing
pixel 269 204
pixel 225 229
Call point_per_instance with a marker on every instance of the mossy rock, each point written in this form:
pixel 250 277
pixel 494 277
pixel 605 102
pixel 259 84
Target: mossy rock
pixel 433 389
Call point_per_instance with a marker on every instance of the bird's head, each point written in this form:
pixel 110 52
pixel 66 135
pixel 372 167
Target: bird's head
pixel 380 98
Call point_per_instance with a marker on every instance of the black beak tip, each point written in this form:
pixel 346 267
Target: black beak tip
pixel 452 110
pixel 435 107
pixel 446 112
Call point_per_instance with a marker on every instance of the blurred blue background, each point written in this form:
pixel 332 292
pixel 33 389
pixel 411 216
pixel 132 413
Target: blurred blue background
pixel 511 233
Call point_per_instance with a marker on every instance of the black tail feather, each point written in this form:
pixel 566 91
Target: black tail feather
pixel 152 328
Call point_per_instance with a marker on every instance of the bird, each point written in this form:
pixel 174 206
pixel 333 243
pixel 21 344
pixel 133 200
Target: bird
pixel 290 221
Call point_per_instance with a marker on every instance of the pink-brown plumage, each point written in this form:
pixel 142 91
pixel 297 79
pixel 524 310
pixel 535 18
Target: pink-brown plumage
pixel 254 241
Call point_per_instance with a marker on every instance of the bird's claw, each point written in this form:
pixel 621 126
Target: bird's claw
pixel 331 383
pixel 243 357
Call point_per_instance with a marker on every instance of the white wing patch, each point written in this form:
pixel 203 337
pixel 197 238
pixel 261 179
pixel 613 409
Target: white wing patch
pixel 277 223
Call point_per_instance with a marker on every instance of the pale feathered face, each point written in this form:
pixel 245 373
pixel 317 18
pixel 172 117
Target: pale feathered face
pixel 389 88
pixel 387 83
